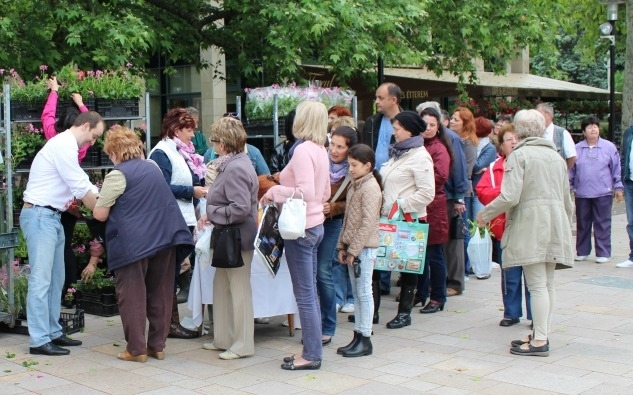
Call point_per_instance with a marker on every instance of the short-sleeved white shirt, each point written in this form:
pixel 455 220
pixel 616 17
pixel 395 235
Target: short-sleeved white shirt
pixel 568 142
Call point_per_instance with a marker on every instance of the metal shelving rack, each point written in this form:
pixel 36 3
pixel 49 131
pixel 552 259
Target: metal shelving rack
pixel 8 233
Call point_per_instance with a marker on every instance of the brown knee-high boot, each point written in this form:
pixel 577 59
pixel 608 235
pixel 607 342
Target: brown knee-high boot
pixel 175 329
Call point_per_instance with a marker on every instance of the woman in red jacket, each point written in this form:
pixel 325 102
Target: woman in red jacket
pixel 488 188
pixel 437 143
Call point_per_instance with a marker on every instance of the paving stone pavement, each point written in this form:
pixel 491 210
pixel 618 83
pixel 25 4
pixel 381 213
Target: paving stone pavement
pixel 461 350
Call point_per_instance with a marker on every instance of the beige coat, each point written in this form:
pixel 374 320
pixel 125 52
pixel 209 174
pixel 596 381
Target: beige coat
pixel 411 179
pixel 360 226
pixel 535 197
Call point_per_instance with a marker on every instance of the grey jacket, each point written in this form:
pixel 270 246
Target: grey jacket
pixel 232 200
pixel 535 197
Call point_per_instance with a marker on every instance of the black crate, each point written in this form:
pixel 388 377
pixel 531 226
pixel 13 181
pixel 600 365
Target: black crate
pixel 118 108
pixel 105 159
pixel 65 105
pixel 26 111
pixel 72 323
pixel 264 127
pixel 92 158
pixel 102 304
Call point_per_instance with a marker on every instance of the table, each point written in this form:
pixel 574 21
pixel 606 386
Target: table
pixel 271 296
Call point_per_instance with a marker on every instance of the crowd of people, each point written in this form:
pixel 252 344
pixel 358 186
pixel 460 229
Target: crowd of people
pixel 515 176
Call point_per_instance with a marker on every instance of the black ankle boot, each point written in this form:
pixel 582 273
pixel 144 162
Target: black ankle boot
pixel 361 348
pixel 404 308
pixel 352 344
pixel 185 281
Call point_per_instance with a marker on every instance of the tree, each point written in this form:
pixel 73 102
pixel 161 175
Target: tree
pixel 273 37
pixel 627 93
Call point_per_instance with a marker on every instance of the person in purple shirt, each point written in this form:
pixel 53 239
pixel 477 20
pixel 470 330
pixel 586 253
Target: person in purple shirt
pixel 594 179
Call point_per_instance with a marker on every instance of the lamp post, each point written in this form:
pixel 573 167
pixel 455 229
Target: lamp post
pixel 607 30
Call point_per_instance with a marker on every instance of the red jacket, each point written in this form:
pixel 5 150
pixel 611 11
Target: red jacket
pixel 437 210
pixel 488 189
pixel 48 121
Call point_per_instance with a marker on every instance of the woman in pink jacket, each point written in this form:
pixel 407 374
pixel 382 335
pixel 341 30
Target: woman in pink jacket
pixel 306 175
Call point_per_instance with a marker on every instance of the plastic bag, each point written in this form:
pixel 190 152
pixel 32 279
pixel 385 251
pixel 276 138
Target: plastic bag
pixel 480 253
pixel 203 245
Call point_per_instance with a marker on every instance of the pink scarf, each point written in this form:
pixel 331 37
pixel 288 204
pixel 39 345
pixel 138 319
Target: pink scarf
pixel 195 161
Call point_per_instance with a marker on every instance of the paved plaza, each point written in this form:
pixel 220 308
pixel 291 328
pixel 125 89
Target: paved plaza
pixel 461 350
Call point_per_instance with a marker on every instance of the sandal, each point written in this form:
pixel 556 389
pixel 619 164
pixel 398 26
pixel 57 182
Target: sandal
pixel 312 365
pixel 126 356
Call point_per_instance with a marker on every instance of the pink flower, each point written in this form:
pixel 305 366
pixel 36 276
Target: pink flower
pixel 1 71
pixel 128 65
pixel 90 73
pixel 99 73
pixel 43 67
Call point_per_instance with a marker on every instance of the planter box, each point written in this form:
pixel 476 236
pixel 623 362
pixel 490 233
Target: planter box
pixel 64 105
pixel 118 108
pixel 25 164
pixel 92 158
pixel 26 111
pixel 105 160
pixel 264 127
pixel 103 304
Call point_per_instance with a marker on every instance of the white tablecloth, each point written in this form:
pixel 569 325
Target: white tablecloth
pixel 271 296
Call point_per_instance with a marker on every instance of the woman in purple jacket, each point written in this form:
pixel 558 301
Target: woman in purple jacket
pixel 594 179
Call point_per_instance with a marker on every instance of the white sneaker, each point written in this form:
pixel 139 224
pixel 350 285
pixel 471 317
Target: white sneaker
pixel 338 307
pixel 466 278
pixel 347 308
pixel 626 263
pixel 581 257
pixel 602 259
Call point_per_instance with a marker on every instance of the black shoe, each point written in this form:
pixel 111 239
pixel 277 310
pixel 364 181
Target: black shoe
pixel 432 307
pixel 419 301
pixel 312 365
pixel 542 351
pixel 401 320
pixel 361 348
pixel 352 318
pixel 325 342
pixel 385 292
pixel 509 321
pixel 49 349
pixel 66 341
pixel 356 339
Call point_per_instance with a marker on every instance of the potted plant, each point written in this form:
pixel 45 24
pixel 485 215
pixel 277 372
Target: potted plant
pixel 20 287
pixel 26 141
pixel 96 296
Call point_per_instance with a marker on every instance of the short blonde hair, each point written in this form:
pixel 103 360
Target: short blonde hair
pixel 342 121
pixel 230 132
pixel 311 122
pixel 529 123
pixel 122 142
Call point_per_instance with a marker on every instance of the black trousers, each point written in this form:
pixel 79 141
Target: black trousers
pixel 70 262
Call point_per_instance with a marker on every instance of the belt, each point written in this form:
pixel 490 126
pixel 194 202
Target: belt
pixel 29 205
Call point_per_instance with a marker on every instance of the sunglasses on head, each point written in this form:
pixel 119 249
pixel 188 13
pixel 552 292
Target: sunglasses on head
pixel 231 115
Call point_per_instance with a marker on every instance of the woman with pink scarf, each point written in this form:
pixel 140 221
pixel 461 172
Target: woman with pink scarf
pixel 184 172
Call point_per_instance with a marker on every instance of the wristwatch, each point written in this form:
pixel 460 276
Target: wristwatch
pixel 460 201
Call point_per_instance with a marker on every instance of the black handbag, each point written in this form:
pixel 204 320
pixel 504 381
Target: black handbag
pixel 226 243
pixel 457 228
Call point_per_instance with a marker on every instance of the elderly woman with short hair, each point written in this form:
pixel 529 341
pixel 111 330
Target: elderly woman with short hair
pixel 232 201
pixel 535 197
pixel 142 258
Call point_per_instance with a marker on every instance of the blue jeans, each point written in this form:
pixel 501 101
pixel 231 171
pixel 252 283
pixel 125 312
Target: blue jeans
pixel 361 288
pixel 466 215
pixel 44 236
pixel 511 279
pixel 301 255
pixel 434 276
pixel 326 255
pixel 342 284
pixel 628 200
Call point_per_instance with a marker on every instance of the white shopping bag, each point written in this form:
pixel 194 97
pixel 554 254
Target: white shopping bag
pixel 292 220
pixel 203 245
pixel 480 253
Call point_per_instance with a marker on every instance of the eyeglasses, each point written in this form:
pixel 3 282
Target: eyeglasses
pixel 510 139
pixel 232 115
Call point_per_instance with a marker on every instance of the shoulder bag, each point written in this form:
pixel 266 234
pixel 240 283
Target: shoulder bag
pixel 226 243
pixel 292 220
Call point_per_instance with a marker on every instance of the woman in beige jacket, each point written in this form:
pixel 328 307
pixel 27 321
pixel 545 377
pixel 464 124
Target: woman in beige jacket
pixel 409 179
pixel 535 197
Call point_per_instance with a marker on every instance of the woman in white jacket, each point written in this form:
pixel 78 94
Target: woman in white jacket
pixel 408 179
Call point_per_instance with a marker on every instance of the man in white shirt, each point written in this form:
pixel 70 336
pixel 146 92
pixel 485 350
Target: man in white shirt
pixel 560 136
pixel 55 180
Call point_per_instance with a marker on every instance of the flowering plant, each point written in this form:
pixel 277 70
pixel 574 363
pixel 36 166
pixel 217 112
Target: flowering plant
pixel 121 83
pixel 26 141
pixel 101 279
pixel 20 287
pixel 260 101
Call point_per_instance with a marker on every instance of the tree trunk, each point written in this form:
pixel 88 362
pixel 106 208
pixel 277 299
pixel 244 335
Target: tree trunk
pixel 627 94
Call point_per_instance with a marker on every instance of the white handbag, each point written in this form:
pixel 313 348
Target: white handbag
pixel 292 220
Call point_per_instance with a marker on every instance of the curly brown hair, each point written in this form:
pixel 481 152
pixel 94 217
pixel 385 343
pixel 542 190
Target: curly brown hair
pixel 122 142
pixel 176 119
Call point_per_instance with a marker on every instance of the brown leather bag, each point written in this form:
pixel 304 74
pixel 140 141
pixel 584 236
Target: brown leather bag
pixel 266 181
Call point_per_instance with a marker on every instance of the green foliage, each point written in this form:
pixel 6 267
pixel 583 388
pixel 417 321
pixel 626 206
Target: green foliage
pixel 26 141
pixel 101 279
pixel 20 275
pixel 473 227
